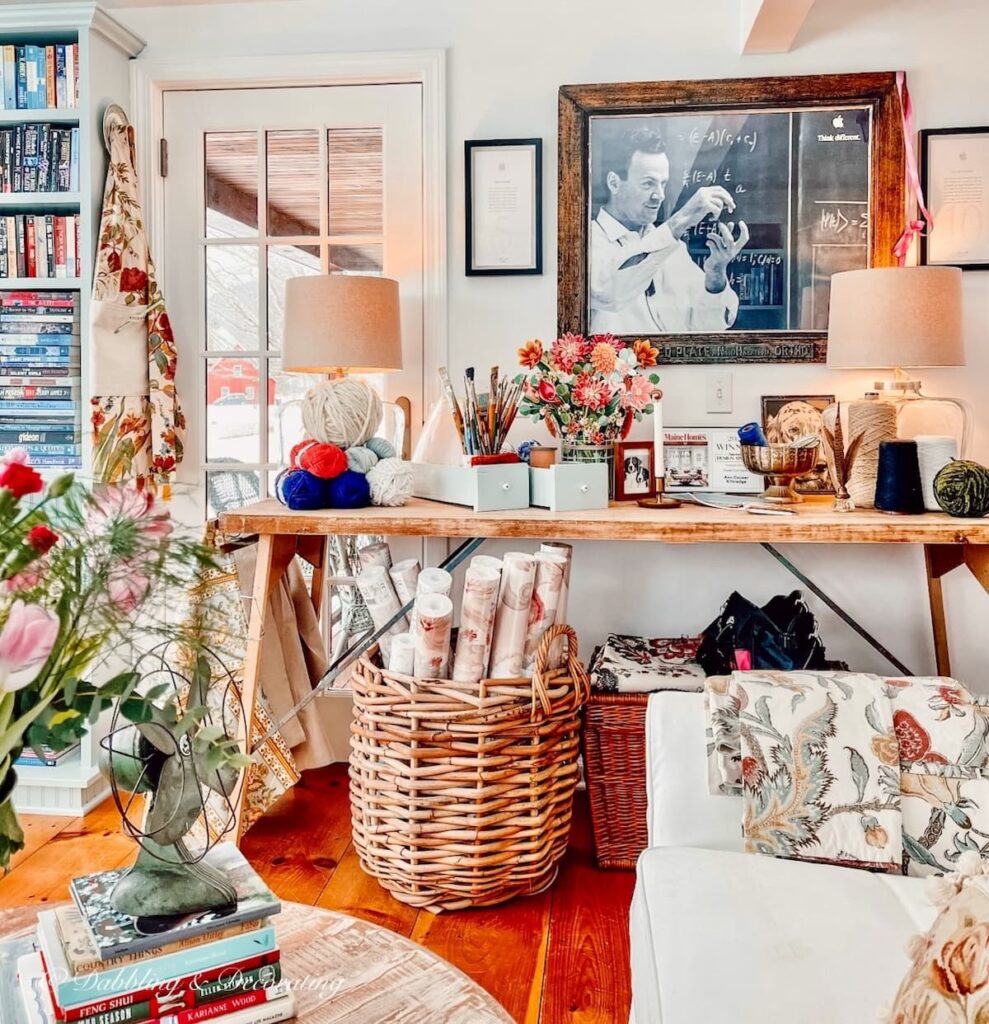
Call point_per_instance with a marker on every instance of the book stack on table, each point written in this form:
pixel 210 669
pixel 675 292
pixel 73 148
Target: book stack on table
pixel 91 965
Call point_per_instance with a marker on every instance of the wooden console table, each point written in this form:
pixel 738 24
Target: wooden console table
pixel 283 534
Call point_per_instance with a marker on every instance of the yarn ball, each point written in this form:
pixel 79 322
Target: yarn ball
pixel 382 448
pixel 390 482
pixel 350 490
pixel 300 489
pixel 361 459
pixel 525 450
pixel 324 460
pixel 343 412
pixel 962 489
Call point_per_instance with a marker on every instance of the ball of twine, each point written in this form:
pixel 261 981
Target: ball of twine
pixel 382 448
pixel 875 421
pixel 361 459
pixel 390 482
pixel 344 412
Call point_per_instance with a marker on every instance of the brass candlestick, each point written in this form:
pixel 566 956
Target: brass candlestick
pixel 660 501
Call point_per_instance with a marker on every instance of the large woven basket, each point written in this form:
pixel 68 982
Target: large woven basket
pixel 461 793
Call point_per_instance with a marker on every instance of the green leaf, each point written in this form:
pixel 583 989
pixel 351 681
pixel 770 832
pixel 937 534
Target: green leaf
pixel 860 772
pixel 920 853
pixel 872 717
pixel 136 710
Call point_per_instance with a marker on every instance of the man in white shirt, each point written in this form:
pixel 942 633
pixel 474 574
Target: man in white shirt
pixel 642 279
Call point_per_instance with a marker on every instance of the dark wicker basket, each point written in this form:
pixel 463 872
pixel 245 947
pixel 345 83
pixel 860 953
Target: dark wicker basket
pixel 615 768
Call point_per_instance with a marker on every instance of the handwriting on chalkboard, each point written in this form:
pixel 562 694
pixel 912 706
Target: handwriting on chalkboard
pixel 841 218
pixel 724 138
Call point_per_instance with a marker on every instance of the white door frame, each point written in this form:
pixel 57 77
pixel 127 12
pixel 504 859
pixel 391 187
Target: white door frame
pixel 151 79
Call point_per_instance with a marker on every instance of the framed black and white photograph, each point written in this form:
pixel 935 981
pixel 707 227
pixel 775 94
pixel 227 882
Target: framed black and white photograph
pixel 788 417
pixel 635 470
pixel 709 216
pixel 504 213
pixel 954 177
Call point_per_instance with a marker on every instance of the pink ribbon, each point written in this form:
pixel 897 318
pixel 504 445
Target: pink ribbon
pixel 913 227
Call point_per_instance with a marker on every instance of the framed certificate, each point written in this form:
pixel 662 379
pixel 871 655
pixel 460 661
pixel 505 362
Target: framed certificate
pixel 504 216
pixel 954 174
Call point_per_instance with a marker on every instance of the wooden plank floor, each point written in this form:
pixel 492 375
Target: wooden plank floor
pixel 557 958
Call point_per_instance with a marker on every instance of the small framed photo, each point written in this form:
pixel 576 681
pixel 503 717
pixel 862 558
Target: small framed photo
pixel 954 176
pixel 635 470
pixel 787 417
pixel 504 206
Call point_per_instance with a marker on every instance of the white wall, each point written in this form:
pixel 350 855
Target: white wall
pixel 506 62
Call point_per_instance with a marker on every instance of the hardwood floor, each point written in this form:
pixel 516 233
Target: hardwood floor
pixel 561 956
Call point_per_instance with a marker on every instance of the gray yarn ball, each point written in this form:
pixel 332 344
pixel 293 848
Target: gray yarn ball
pixel 361 459
pixel 382 448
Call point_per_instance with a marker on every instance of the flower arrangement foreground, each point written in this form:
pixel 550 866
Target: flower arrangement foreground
pixel 85 581
pixel 589 390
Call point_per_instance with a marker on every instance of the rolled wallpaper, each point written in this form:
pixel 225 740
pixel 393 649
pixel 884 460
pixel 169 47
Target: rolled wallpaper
pixel 382 603
pixel 402 657
pixel 566 550
pixel 430 581
pixel 547 591
pixel 477 619
pixel 375 554
pixel 404 575
pixel 512 617
pixel 432 637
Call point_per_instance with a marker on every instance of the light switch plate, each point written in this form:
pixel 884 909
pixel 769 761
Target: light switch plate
pixel 719 392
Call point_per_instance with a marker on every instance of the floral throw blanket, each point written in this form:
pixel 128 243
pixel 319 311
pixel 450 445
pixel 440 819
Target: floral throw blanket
pixel 851 768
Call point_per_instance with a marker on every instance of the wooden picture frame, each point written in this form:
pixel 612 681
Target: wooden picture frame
pixel 951 243
pixel 794 423
pixel 628 479
pixel 870 96
pixel 505 236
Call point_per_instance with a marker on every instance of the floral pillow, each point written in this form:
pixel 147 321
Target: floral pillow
pixel 639 664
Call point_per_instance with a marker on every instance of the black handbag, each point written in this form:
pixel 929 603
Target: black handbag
pixel 781 635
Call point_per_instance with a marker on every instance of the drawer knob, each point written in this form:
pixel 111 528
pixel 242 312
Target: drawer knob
pixel 506 486
pixel 584 488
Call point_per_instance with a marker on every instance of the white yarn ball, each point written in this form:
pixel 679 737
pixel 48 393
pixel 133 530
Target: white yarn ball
pixel 390 482
pixel 344 412
pixel 382 448
pixel 361 459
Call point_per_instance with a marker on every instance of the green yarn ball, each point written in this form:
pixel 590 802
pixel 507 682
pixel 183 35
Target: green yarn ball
pixel 382 448
pixel 361 459
pixel 962 489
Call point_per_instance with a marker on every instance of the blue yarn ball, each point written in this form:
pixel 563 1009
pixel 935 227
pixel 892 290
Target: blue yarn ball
pixel 361 459
pixel 382 448
pixel 350 490
pixel 301 490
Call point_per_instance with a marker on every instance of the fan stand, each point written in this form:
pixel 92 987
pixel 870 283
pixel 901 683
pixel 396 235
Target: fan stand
pixel 165 883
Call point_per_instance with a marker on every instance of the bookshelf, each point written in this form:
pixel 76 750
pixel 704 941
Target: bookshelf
pixel 105 50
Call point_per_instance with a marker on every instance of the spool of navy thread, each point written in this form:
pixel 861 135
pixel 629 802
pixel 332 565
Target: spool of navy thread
pixel 898 486
pixel 752 433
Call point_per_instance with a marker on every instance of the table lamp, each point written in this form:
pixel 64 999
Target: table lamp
pixel 896 318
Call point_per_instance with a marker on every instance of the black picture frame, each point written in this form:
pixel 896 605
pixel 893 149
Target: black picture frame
pixel 925 136
pixel 470 145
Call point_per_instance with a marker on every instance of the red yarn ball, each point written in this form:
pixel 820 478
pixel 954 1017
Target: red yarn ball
pixel 323 460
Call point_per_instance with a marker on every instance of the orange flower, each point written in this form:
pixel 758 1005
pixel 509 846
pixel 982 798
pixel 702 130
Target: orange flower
pixel 530 354
pixel 962 966
pixel 645 353
pixel 876 836
pixel 887 748
pixel 603 358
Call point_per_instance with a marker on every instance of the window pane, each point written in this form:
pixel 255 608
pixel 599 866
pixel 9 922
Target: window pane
pixel 231 184
pixel 285 414
pixel 293 183
pixel 285 261
pixel 227 489
pixel 359 259
pixel 232 297
pixel 354 168
pixel 233 423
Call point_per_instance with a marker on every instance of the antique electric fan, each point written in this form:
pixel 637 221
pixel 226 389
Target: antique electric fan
pixel 183 760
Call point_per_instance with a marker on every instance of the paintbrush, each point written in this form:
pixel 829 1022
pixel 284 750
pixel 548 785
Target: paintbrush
pixel 475 415
pixel 451 401
pixel 493 411
pixel 511 408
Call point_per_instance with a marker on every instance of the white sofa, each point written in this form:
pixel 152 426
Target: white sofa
pixel 723 936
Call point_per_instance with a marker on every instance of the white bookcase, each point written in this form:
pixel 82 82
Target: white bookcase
pixel 105 50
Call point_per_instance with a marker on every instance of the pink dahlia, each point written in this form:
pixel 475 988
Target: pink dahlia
pixel 608 339
pixel 591 392
pixel 638 393
pixel 568 350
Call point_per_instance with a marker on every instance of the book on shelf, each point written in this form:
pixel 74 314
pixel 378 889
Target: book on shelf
pixel 260 1004
pixel 46 434
pixel 115 934
pixel 58 301
pixel 40 77
pixel 43 756
pixel 39 158
pixel 40 245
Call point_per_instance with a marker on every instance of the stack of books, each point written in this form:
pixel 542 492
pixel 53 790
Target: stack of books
pixel 40 245
pixel 42 756
pixel 40 376
pixel 40 77
pixel 95 966
pixel 39 158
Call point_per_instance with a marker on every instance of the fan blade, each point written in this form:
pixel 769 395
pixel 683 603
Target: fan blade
pixel 177 801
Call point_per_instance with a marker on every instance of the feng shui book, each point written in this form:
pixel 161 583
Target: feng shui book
pixel 115 934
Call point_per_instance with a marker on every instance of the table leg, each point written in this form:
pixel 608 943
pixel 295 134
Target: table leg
pixel 940 559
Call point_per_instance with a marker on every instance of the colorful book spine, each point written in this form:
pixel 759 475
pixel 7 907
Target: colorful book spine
pixel 9 77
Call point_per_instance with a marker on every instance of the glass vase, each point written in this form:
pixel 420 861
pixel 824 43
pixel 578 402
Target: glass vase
pixel 605 453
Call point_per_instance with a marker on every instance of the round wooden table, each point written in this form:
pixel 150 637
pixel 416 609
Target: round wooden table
pixel 347 971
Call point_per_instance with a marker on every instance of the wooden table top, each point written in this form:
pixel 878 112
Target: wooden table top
pixel 347 971
pixel 814 523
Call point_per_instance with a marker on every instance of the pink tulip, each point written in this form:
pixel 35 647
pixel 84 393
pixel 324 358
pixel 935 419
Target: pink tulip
pixel 26 640
pixel 119 501
pixel 127 591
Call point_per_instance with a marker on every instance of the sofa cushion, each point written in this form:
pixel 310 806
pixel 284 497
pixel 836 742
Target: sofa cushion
pixel 720 936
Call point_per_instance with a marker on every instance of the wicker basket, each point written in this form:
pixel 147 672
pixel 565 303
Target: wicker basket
pixel 615 766
pixel 461 793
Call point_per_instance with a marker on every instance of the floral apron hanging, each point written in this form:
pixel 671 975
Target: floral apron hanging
pixel 137 422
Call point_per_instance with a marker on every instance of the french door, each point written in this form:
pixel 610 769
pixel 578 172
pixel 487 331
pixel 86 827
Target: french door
pixel 263 185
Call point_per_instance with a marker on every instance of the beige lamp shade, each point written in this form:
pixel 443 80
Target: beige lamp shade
pixel 896 316
pixel 341 322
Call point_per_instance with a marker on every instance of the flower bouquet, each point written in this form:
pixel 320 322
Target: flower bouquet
pixel 76 571
pixel 589 391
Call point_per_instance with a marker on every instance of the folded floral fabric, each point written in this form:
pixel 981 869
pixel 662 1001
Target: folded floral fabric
pixel 639 664
pixel 938 720
pixel 724 747
pixel 814 785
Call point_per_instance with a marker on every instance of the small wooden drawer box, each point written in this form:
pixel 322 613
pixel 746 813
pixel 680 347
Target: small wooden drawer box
pixel 569 486
pixel 483 488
